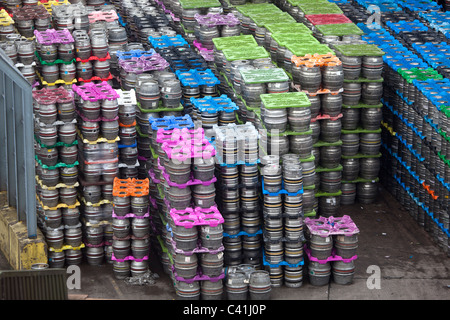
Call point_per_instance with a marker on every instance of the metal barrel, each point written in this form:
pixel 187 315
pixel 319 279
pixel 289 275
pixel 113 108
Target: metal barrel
pixel 319 274
pixel 259 285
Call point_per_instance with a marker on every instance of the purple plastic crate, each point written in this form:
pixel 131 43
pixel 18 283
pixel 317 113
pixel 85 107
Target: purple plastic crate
pixel 191 182
pixel 198 249
pixel 331 258
pixel 216 19
pixel 52 36
pixel 198 277
pixel 143 64
pixel 94 92
pixel 332 226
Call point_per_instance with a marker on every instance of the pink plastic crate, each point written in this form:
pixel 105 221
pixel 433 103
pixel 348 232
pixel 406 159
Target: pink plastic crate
pixel 107 16
pixel 191 217
pixel 94 92
pixel 199 249
pixel 335 18
pixel 326 117
pixel 332 226
pixel 191 182
pixel 186 144
pixel 46 96
pixel 331 258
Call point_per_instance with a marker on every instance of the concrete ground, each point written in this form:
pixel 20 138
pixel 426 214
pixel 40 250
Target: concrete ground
pixel 411 265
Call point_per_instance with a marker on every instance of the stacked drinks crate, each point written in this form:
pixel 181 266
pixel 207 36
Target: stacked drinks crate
pixel 238 193
pixel 331 249
pixel 56 56
pixel 98 135
pixel 361 131
pixel 131 227
pixel 192 222
pixel 413 135
pixel 56 151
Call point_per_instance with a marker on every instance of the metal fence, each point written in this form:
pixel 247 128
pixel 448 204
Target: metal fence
pixel 17 171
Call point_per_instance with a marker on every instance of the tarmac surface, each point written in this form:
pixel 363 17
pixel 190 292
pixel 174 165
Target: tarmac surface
pixel 391 243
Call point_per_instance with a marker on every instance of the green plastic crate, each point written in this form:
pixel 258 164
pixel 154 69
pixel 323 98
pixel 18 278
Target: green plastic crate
pixel 300 49
pixel 321 143
pixel 296 3
pixel 327 194
pixel 361 156
pixel 247 9
pixel 359 50
pixel 361 79
pixel 195 4
pixel 420 74
pixel 222 43
pixel 285 100
pixel 339 29
pixel 320 8
pixel 245 53
pixel 358 180
pixel 362 105
pixel 322 169
pixel 282 27
pixel 360 130
pixel 264 75
pixel 284 39
pixel 261 19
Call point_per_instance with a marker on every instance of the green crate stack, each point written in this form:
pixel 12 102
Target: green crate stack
pixel 275 246
pixel 228 50
pixel 360 168
pixel 262 78
pixel 188 9
pixel 288 100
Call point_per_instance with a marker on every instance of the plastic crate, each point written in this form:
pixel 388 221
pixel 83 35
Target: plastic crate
pixel 261 19
pixel 300 49
pixel 5 18
pixel 263 75
pixel 234 41
pixel 340 29
pixel 195 4
pixel 317 19
pixel 282 27
pixel 419 74
pixel 214 104
pixel 286 38
pixel 245 53
pixel 166 41
pixel 195 78
pixel 247 9
pixel 322 8
pixel 359 50
pixel 285 100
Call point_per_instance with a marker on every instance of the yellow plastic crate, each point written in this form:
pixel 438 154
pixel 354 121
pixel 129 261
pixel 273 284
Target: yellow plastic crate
pixel 48 5
pixel 5 19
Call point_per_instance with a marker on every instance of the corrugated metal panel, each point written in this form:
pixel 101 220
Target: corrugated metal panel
pixel 17 172
pixel 47 284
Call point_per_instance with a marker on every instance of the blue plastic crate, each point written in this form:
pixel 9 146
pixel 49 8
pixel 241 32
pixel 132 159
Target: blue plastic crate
pixel 171 122
pixel 125 55
pixel 194 78
pixel 406 26
pixel 214 104
pixel 166 41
